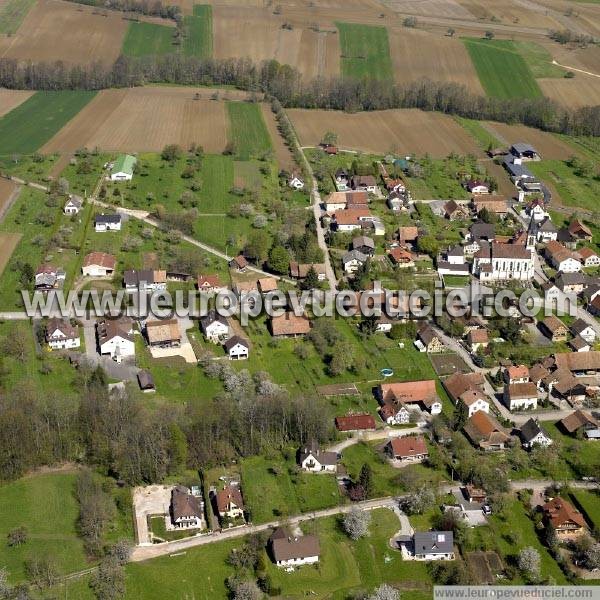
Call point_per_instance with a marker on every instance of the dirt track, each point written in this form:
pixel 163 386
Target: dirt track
pixel 401 131
pixel 145 119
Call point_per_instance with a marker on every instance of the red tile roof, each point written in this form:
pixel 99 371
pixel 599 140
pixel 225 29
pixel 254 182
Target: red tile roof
pixel 355 422
pixel 408 446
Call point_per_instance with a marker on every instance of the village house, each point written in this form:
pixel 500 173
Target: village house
pixel 570 388
pixel 594 306
pixel 353 260
pixel 524 152
pixel 107 223
pixel 484 431
pixel 61 335
pixel 339 201
pixel 364 183
pixel 314 460
pixel 300 271
pixel 583 329
pixel 364 244
pixel 492 203
pixel 49 277
pixel 123 168
pixel 516 374
pixel 454 211
pixel 553 328
pixel 580 231
pixel 589 257
pixel 237 348
pixel 350 219
pixel 551 292
pixel 479 233
pixel 500 262
pixel 579 364
pixel 144 280
pixel 561 258
pixel 428 340
pixel 474 494
pixel 402 258
pixel 459 383
pixel 476 339
pixel 362 422
pixel 407 236
pixel 214 326
pixel 98 264
pixel 342 180
pixel 210 284
pixel 521 396
pixel 545 231
pixel 537 374
pixel 433 545
pixel 535 210
pixel 243 288
pixel 578 422
pixel 564 518
pixel 409 448
pixel 476 186
pixel 73 205
pixel 295 181
pixel 290 551
pixel 532 434
pixel 266 284
pixel 289 325
pixel 474 400
pixel 239 263
pixel 570 283
pixel 578 344
pixel 186 510
pixel 395 413
pixel 230 504
pixel 115 338
pixel 396 201
pixel 163 333
pixel 421 393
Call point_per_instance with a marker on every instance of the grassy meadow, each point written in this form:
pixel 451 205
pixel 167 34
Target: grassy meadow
pixel 248 130
pixel 30 125
pixel 12 13
pixel 198 40
pixel 365 51
pixel 145 39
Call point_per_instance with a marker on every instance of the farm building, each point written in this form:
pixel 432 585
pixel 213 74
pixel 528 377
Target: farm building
pixel 98 264
pixel 123 168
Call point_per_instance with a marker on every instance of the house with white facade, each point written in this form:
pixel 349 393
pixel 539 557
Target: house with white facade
pixel 532 434
pixel 98 264
pixel 115 338
pixel 545 231
pixel 474 400
pixel 107 223
pixel 145 280
pixel 589 257
pixel 296 182
pixel 583 329
pixel 561 258
pixel 237 348
pixel 314 460
pixel 73 205
pixel 214 326
pixel 61 335
pixel 353 260
pixel 186 509
pixel 123 168
pixel 291 550
pixel 229 502
pixel 433 545
pixel 521 396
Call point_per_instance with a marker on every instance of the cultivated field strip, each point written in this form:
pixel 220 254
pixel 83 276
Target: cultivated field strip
pixel 10 99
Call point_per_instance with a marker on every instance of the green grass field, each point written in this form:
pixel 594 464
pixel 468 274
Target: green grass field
pixel 12 14
pixel 589 502
pixel 247 130
pixel 574 190
pixel 46 506
pixel 272 489
pixel 502 70
pixel 365 51
pixel 30 125
pixel 144 39
pixel 199 38
pixel 538 59
pixel 481 135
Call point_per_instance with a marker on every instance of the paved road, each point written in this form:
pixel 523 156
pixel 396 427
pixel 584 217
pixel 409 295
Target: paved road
pixel 145 552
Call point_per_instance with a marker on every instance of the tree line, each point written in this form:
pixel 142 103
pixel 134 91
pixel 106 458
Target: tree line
pixel 285 84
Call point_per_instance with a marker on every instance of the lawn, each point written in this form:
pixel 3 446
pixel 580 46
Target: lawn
pixel 30 125
pixel 248 131
pixel 365 51
pixel 12 14
pixel 45 504
pixel 144 39
pixel 439 179
pixel 481 135
pixel 502 70
pixel 32 167
pixel 272 488
pixel 538 59
pixel 589 503
pixel 198 39
pixel 574 190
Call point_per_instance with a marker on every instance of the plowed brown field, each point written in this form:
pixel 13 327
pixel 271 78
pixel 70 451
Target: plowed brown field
pixel 583 90
pixel 145 120
pixel 401 131
pixel 10 99
pixel 282 152
pixel 55 30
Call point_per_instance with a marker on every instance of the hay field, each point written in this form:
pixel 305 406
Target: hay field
pixel 511 12
pixel 145 120
pixel 440 58
pixel 583 90
pixel 404 131
pixel 56 30
pixel 10 99
pixel 549 146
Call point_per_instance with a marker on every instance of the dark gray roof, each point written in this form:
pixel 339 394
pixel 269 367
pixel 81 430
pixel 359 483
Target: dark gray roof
pixel 433 542
pixel 456 251
pixel 578 343
pixel 570 278
pixel 363 240
pixel 520 148
pixel 530 429
pixel 323 456
pixel 236 339
pixel 579 325
pixel 547 225
pixel 108 218
pixel 444 264
pixel 352 255
pixel 517 170
pixel 135 277
pixel 145 380
pixel 211 317
pixel 564 235
pixel 481 230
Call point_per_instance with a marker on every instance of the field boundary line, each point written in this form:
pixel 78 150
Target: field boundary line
pixel 575 69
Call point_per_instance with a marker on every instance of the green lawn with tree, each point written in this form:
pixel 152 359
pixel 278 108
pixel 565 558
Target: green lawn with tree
pixel 365 51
